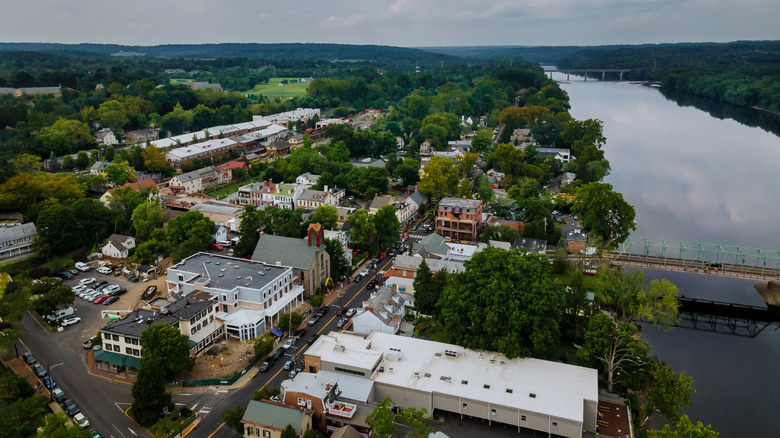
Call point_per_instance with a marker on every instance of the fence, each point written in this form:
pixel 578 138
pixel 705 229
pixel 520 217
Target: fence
pixel 223 382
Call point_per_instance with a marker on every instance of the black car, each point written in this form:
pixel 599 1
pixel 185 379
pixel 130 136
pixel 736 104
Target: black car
pixel 39 370
pixel 120 292
pixel 58 395
pixel 70 408
pixel 28 358
pixel 264 367
pixel 110 300
pixel 372 283
pixel 278 353
pixel 312 338
pixel 340 311
pixel 298 334
pixel 323 310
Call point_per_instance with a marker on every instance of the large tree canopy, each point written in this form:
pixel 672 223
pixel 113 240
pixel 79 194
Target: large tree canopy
pixel 504 301
pixel 604 212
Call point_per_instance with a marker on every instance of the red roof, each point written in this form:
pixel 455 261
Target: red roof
pixel 137 186
pixel 233 165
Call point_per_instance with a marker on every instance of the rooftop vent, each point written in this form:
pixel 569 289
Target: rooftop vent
pixel 464 382
pixel 208 261
pixel 508 391
pixel 437 354
pixel 417 374
pixel 221 275
pixel 486 386
pixel 427 374
pixel 240 277
pixel 340 348
pixel 451 353
pixel 532 395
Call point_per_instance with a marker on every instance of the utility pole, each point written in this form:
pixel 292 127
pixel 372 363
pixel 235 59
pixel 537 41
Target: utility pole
pixel 545 226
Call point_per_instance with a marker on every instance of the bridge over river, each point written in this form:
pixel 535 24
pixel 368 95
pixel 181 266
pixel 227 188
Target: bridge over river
pixel 585 71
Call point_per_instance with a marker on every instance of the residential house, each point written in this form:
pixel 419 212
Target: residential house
pixel 562 155
pixel 311 199
pixel 532 246
pixel 523 393
pixel 266 418
pixel 426 148
pixel 431 246
pixel 147 186
pixel 521 135
pixel 344 239
pixel 459 219
pixel 307 179
pixel 321 393
pixel 575 240
pixel 224 215
pixel 296 141
pixel 249 295
pixel 17 239
pixel 343 213
pixel 105 137
pixel 308 258
pixel 368 162
pixel 121 338
pixel 190 182
pixel 118 246
pixel 281 195
pixel 230 165
pixel 204 85
pixel 405 208
pixel 213 176
pixel 141 136
pixel 278 148
pixel 99 168
pixel 383 312
pixel 251 194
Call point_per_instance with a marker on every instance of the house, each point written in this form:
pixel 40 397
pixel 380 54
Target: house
pixel 459 219
pixel 16 239
pixel 426 148
pixel 296 141
pixel 212 176
pixel 190 182
pixel 311 199
pixel 532 246
pixel 368 162
pixel 147 186
pixel 520 135
pixel 142 136
pixel 204 85
pixel 249 295
pixel 219 233
pixel 307 179
pixel 105 137
pixel 321 393
pixel 266 418
pixel 121 338
pixel 251 194
pixel 383 312
pixel 99 168
pixel 523 393
pixel 118 246
pixel 562 155
pixel 281 195
pixel 230 165
pixel 223 215
pixel 575 240
pixel 344 239
pixel 405 208
pixel 431 246
pixel 406 266
pixel 308 258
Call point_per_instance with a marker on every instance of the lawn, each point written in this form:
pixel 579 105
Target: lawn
pixel 566 278
pixel 228 189
pixel 173 423
pixel 22 267
pixel 273 90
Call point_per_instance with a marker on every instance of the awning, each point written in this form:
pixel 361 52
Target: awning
pixel 117 359
pixel 176 187
pixel 277 332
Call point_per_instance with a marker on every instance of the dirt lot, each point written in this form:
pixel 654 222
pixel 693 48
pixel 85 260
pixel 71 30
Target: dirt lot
pixel 232 356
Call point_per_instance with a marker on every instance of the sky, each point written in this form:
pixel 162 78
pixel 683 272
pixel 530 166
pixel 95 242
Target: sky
pixel 408 23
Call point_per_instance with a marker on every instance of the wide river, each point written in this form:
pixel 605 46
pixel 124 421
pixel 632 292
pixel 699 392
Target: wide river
pixel 694 177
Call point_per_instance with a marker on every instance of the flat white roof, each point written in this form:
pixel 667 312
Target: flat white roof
pixel 197 148
pixel 356 353
pixel 558 389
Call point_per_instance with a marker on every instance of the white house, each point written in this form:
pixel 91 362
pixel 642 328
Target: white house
pixel 190 182
pixel 383 312
pixel 105 137
pixel 307 179
pixel 311 199
pixel 118 246
pixel 17 239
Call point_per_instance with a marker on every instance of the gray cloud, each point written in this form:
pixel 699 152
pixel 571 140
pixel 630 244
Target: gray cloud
pixel 391 22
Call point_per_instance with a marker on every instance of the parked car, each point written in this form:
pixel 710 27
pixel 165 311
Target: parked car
pixel 105 270
pixel 364 272
pixel 101 299
pixel 278 353
pixel 289 344
pixel 350 313
pixel 322 310
pixel 342 322
pixel 70 408
pixel 70 321
pixel 66 274
pixel 28 358
pixel 265 366
pixel 382 256
pixel 58 395
pixel 83 267
pixel 372 283
pixel 216 246
pixel 289 365
pixel 314 319
pixel 87 281
pixel 110 300
pixel 81 420
pixel 298 334
pixel 39 370
pixel 49 383
pixel 89 343
pixel 74 272
pixel 312 338
pixel 111 288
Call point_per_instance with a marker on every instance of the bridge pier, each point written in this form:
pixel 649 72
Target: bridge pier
pixel 603 75
pixel 567 76
pixel 586 76
pixel 621 75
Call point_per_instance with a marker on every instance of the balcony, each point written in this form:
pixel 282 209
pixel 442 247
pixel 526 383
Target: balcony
pixel 342 409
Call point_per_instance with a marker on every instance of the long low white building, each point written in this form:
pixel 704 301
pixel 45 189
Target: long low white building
pixel 533 394
pixel 200 150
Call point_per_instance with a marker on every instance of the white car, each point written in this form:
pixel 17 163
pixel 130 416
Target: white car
pixel 87 281
pixel 289 344
pixel 104 270
pixel 83 267
pixel 81 420
pixel 79 288
pixel 111 289
pixel 70 321
pixel 364 272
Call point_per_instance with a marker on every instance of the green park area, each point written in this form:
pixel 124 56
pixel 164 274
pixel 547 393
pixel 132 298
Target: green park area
pixel 275 88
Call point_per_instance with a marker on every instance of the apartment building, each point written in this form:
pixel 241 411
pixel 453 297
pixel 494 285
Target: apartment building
pixel 459 219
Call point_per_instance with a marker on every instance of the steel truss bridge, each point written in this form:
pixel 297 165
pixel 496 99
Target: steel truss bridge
pixel 708 258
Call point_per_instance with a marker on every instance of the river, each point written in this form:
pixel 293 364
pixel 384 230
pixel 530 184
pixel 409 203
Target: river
pixel 695 177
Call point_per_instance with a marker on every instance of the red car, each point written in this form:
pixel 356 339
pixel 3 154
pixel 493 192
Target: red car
pixel 100 299
pixel 216 246
pixel 382 256
pixel 355 251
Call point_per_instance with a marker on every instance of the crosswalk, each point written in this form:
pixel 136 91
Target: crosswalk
pixel 419 235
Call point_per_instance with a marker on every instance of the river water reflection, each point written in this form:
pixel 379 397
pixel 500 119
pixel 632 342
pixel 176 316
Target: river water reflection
pixel 693 177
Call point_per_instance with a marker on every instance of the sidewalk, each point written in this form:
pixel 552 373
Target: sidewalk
pixel 92 369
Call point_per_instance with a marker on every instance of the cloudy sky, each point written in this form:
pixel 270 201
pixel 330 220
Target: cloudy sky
pixel 392 22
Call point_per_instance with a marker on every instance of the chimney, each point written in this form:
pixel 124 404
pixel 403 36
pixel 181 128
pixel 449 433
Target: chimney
pixel 325 188
pixel 327 386
pixel 370 309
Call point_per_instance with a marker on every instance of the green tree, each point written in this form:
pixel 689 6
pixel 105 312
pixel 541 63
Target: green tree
pixel 614 346
pixel 289 322
pixel 191 225
pixel 504 301
pixel 68 162
pixel 339 265
pixel 503 233
pixel 483 190
pixel 683 428
pixel 263 345
pixel 265 393
pixel 109 153
pixel 426 294
pixel 623 291
pixel 57 427
pixel 147 217
pixel 440 179
pixel 154 159
pixel 289 432
pixel 659 304
pixel 466 163
pixel 325 215
pixel 464 190
pixel 408 172
pixel 363 229
pixel 481 141
pixel 120 172
pixel 417 420
pixel 149 395
pixel 560 260
pixel 49 295
pixel 382 420
pixel 668 395
pixel 21 417
pixel 186 248
pixel 604 212
pixel 232 418
pixel 164 346
pixel 249 231
pixel 82 160
pixel 387 226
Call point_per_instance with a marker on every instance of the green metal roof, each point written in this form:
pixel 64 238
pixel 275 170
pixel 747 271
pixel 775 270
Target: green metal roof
pixel 287 250
pixel 270 414
pixel 117 359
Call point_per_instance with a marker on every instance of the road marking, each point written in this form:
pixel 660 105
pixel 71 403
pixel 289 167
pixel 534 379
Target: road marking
pixel 180 404
pixel 224 391
pixel 184 394
pixel 194 406
pixel 132 431
pixel 204 411
pixel 117 429
pixel 216 430
pixel 38 322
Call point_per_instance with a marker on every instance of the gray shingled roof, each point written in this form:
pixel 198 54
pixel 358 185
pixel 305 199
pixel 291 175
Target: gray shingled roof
pixel 433 243
pixel 436 265
pixel 418 198
pixel 17 232
pixel 458 202
pixel 287 250
pixel 278 416
pixel 189 176
pixel 217 209
pixel 312 195
pixel 137 321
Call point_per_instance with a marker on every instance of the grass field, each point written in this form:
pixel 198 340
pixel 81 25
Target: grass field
pixel 273 90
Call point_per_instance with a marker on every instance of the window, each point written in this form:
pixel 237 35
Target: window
pixel 266 433
pixel 486 386
pixel 508 391
pixel 493 412
pixel 555 425
pixel 127 339
pixel 348 371
pixel 116 337
pixel 128 350
pixel 117 349
pixel 192 332
pixel 522 418
pixel 301 401
pixel 107 347
pixel 465 406
pixel 136 352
